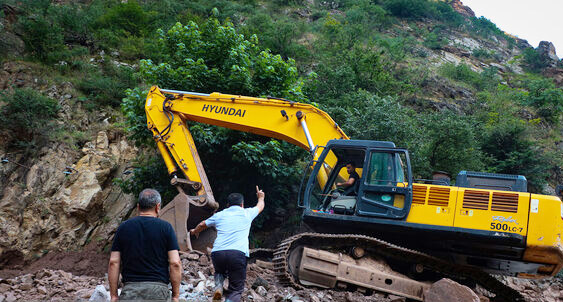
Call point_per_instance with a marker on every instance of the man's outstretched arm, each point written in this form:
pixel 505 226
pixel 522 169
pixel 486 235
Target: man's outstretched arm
pixel 260 194
pixel 175 273
pixel 198 229
pixel 113 274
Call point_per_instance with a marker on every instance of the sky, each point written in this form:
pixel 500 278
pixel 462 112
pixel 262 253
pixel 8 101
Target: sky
pixel 531 20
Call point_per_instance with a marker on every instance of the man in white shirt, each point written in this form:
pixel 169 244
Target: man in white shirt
pixel 230 248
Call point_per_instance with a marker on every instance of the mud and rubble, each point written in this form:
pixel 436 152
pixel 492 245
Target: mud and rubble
pixel 82 277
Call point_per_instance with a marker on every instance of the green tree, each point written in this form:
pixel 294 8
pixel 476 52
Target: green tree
pixel 451 143
pixel 533 60
pixel 128 16
pixel 214 57
pixel 511 152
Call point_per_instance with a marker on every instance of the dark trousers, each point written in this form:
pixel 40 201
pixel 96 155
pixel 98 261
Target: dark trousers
pixel 232 264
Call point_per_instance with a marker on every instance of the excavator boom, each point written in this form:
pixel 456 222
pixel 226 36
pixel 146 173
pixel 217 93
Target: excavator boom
pixel 167 113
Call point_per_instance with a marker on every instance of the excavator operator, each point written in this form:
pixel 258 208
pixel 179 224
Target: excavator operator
pixel 351 185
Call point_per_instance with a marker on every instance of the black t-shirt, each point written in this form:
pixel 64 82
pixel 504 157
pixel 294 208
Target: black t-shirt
pixel 354 187
pixel 355 176
pixel 144 243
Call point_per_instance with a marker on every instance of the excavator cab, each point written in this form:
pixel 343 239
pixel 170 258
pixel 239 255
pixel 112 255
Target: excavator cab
pixel 384 189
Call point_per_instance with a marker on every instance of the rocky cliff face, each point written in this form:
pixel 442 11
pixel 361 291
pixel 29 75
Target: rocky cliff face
pixel 64 197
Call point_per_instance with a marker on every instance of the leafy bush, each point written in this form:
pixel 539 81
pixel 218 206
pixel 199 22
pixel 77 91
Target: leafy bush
pixel 27 116
pixel 414 9
pixel 364 115
pixel 216 58
pixel 76 21
pixel 485 28
pixel 482 53
pixel 418 9
pixel 128 16
pixel 148 171
pixel 361 67
pixel 42 37
pixel 450 143
pixel 108 88
pixel 533 60
pixel 133 107
pixel 546 98
pixel 463 73
pixel 460 72
pixel 280 36
pixel 435 40
pixel 512 152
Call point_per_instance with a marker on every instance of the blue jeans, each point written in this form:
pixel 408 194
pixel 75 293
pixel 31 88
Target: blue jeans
pixel 232 264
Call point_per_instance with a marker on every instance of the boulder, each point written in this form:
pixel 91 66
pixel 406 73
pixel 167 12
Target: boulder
pixel 100 294
pixel 446 290
pixel 547 52
pixel 261 291
pixel 260 282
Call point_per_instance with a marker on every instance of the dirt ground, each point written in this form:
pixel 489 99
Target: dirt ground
pixel 91 261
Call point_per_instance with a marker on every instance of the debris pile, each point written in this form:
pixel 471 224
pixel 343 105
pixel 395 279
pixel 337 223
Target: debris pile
pixel 49 285
pixel 261 286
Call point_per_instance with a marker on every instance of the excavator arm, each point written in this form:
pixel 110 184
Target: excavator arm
pixel 167 113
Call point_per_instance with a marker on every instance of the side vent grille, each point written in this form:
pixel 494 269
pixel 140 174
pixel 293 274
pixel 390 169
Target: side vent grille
pixel 439 196
pixel 505 202
pixel 419 194
pixel 478 200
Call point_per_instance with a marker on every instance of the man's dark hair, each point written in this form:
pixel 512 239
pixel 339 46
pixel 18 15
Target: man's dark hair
pixel 148 199
pixel 235 199
pixel 351 163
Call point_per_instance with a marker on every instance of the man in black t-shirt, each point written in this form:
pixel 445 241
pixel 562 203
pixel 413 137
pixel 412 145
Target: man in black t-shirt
pixel 145 247
pixel 351 185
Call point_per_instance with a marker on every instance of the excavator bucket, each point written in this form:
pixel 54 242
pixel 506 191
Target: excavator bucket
pixel 184 213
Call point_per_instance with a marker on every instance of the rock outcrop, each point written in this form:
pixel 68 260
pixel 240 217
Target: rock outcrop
pixel 458 6
pixel 64 198
pixel 547 52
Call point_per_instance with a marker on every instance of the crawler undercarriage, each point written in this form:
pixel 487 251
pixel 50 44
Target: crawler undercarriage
pixel 321 260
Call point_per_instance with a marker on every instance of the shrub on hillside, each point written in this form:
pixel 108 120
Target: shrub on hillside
pixel 460 72
pixel 42 37
pixel 418 9
pixel 533 60
pixel 450 143
pixel 488 78
pixel 128 16
pixel 546 98
pixel 510 151
pixel 27 117
pixel 485 28
pixel 107 88
pixel 413 9
pixel 435 40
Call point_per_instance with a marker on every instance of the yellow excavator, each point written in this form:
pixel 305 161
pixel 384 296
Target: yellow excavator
pixel 487 223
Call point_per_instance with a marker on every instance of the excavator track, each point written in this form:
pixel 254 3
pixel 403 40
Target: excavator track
pixel 388 250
